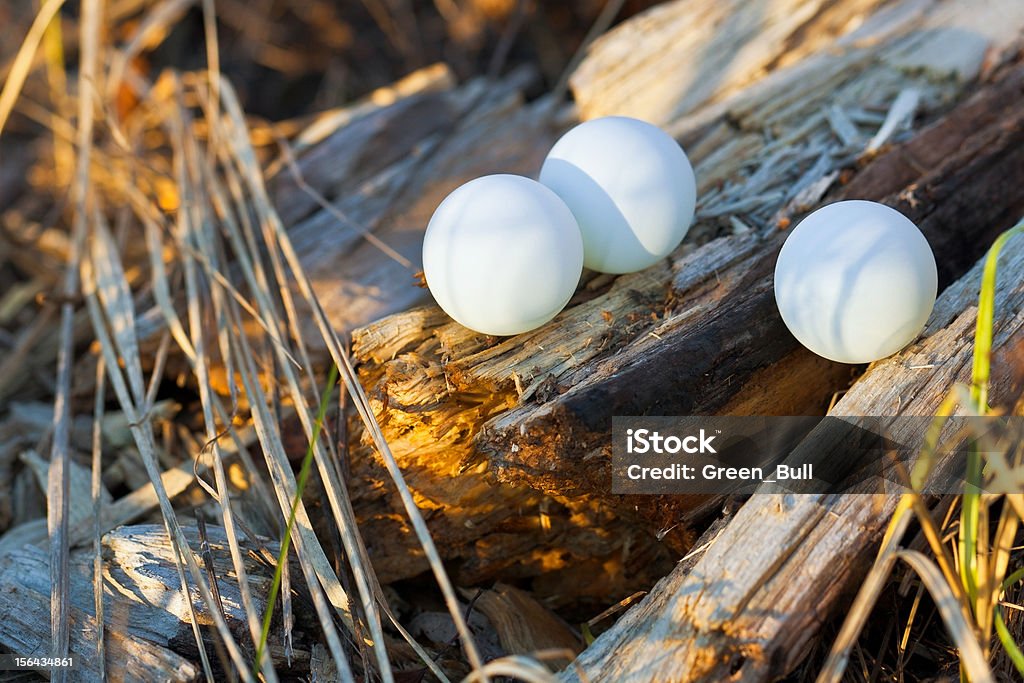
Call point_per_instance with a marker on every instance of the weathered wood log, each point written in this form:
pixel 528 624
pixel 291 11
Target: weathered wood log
pixel 148 626
pixel 757 597
pixel 385 172
pixel 961 204
pixel 665 64
pixel 698 333
pixel 668 60
pixel 27 613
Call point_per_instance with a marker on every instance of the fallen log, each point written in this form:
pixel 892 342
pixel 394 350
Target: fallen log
pixel 148 627
pixel 755 600
pixel 440 390
pixel 666 62
pixel 961 204
pixel 384 171
pixel 665 66
pixel 696 334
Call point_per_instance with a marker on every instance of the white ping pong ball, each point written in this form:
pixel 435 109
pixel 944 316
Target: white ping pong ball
pixel 631 188
pixel 502 254
pixel 855 281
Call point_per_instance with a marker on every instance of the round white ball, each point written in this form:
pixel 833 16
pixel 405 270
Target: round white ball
pixel 631 188
pixel 502 254
pixel 855 281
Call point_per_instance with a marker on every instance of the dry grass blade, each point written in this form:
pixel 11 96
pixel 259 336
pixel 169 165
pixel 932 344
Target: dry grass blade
pixel 992 587
pixel 259 282
pixel 972 656
pixel 57 486
pixel 515 666
pixel 115 310
pixel 112 292
pixel 871 588
pixel 901 649
pixel 211 572
pixel 193 245
pixel 236 139
pixel 97 484
pixel 57 79
pixel 212 58
pixel 23 61
pixel 288 158
pixel 222 493
pixel 950 604
pixel 251 172
pixel 162 289
pixel 190 222
pixel 317 568
pixel 150 32
pixel 139 502
pixel 944 561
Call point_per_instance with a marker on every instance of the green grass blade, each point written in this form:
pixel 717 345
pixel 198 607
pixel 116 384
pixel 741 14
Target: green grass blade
pixel 1013 578
pixel 980 373
pixel 986 312
pixel 282 555
pixel 967 544
pixel 1006 638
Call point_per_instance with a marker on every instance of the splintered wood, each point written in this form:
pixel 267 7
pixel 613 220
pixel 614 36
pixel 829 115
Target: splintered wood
pixel 790 559
pixel 485 425
pixel 504 443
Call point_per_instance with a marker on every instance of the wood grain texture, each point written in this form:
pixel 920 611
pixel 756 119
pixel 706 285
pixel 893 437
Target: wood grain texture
pixel 960 204
pixel 385 172
pixel 148 624
pixel 752 603
pixel 695 333
pixel 523 624
pixel 679 55
pixel 665 66
pixel 663 341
